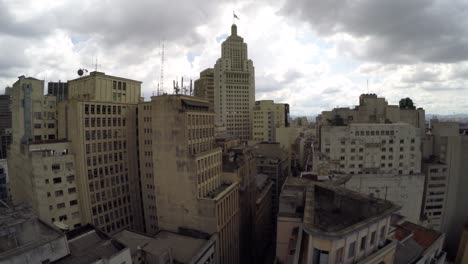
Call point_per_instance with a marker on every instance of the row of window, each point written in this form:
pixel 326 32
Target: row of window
pixel 103 159
pixel 103 109
pixel 111 122
pixel 105 134
pixel 105 146
pixel 58 180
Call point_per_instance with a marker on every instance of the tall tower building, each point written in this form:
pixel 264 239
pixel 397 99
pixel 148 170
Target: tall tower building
pixel 99 119
pixel 234 87
pixel 204 87
pixel 183 177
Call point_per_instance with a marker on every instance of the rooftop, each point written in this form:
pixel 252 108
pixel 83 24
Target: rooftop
pixel 88 245
pixel 183 248
pixel 414 241
pixel 20 231
pixel 330 210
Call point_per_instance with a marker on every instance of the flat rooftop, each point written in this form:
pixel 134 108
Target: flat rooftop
pixel 330 210
pixel 88 245
pixel 21 231
pixel 414 241
pixel 183 247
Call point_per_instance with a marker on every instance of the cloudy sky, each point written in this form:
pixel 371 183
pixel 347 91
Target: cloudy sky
pixel 312 54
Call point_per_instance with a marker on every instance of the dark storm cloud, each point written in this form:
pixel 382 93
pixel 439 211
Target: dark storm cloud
pixel 394 31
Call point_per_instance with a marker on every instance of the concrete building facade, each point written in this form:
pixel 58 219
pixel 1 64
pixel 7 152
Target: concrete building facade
pixel 274 162
pixel 263 226
pixel 41 167
pixel 268 117
pixel 146 167
pixel 403 190
pixel 371 148
pixel 188 187
pixel 239 165
pixel 435 194
pixel 99 119
pixel 234 87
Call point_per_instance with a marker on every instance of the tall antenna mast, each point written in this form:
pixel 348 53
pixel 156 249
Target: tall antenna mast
pixel 161 76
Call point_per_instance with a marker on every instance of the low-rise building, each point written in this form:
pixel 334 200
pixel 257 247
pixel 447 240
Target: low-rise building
pixel 321 223
pixel 167 247
pixel 418 245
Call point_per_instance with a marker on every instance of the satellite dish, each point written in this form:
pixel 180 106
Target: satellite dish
pixel 61 225
pixel 80 72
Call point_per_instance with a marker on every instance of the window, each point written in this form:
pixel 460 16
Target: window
pixel 37 126
pixel 73 202
pixel 55 167
pixel 339 256
pixel 372 239
pixel 60 205
pixel 58 193
pixel 382 232
pixel 57 180
pixel 363 243
pixel 351 249
pixel 70 178
pixel 71 190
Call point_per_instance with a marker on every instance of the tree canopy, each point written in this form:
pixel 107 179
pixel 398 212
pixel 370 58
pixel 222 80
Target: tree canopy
pixel 407 103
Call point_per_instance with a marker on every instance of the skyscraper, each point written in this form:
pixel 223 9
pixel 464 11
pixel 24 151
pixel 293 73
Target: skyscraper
pixel 234 87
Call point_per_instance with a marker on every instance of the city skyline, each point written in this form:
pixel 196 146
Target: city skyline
pixel 312 63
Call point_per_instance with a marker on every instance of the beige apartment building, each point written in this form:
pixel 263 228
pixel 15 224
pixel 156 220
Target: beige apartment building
pixel 268 120
pixel 187 184
pixel 371 148
pixel 319 223
pixel 42 168
pixel 100 119
pixel 234 87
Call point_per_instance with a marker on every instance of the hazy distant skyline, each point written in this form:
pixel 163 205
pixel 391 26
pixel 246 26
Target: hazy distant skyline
pixel 312 54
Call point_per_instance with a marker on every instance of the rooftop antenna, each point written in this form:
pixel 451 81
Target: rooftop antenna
pixel 96 65
pixel 368 85
pixel 190 86
pixel 161 76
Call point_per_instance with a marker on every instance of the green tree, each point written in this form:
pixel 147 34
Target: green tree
pixel 407 103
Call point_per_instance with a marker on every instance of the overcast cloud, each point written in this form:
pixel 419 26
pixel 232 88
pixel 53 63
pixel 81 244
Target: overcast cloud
pixel 312 54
